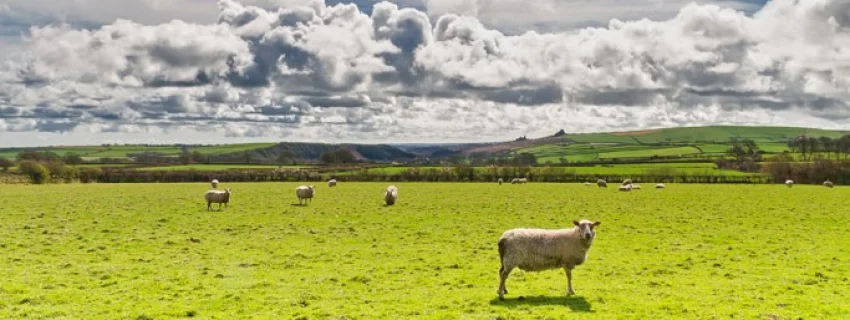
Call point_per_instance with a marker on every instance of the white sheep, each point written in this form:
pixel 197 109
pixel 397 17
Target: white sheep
pixel 332 183
pixel 501 181
pixel 217 196
pixel 660 186
pixel 214 183
pixel 587 184
pixel 536 250
pixel 789 183
pixel 519 180
pixel 828 184
pixel 391 195
pixel 627 182
pixel 305 193
pixel 601 183
pixel 635 186
pixel 625 187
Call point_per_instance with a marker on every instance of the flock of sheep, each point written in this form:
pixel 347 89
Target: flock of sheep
pixel 303 193
pixel 527 249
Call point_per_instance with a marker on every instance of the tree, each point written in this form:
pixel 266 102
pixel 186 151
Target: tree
pixel 72 158
pixel 338 156
pixel 37 173
pixel 185 157
pixel 284 157
pixel 5 164
pixel 90 174
pixel 198 157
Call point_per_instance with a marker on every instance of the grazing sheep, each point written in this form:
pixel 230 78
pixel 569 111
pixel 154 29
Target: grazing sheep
pixel 587 184
pixel 627 182
pixel 391 195
pixel 660 186
pixel 305 193
pixel 214 183
pixel 519 180
pixel 500 181
pixel 601 183
pixel 332 183
pixel 625 187
pixel 536 250
pixel 217 196
pixel 828 184
pixel 635 186
pixel 789 183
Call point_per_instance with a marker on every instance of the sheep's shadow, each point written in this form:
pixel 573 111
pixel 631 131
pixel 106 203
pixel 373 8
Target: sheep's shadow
pixel 298 204
pixel 575 303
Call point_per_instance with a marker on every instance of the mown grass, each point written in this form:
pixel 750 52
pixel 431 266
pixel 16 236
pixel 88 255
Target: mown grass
pixel 136 251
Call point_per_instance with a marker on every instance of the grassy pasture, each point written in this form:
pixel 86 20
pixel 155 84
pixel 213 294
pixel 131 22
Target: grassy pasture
pixel 215 167
pixel 152 251
pixel 707 169
pixel 93 152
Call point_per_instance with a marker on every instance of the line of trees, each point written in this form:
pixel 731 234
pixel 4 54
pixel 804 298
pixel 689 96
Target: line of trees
pixel 833 148
pixel 45 167
pixel 445 174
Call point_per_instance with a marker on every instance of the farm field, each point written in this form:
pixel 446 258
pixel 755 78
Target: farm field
pixel 216 167
pixel 152 251
pixel 707 169
pixel 94 152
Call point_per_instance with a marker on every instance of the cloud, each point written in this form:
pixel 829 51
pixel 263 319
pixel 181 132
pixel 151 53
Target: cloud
pixel 403 73
pixel 517 16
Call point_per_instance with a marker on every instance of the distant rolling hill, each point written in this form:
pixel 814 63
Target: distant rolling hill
pixel 563 146
pixel 667 142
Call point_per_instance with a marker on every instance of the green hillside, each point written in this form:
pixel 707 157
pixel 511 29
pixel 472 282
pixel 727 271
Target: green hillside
pixel 703 134
pixel 685 142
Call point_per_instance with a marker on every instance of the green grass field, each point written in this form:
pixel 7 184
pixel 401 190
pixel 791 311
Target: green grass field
pixel 707 169
pixel 152 251
pixel 94 152
pixel 216 167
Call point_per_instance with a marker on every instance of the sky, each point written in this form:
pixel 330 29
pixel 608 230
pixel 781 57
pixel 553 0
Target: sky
pixel 227 71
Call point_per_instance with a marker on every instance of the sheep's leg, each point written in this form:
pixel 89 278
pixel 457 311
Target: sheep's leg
pixel 503 276
pixel 569 272
pixel 209 206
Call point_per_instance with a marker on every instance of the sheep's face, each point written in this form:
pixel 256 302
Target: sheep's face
pixel 586 228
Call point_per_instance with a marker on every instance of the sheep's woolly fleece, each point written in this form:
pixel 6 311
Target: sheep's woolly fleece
pixel 334 72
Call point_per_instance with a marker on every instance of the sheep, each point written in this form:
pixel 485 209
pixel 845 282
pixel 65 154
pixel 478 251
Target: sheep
pixel 660 186
pixel 587 184
pixel 535 250
pixel 305 193
pixel 627 182
pixel 501 181
pixel 332 183
pixel 625 187
pixel 635 186
pixel 217 196
pixel 828 184
pixel 391 195
pixel 519 180
pixel 789 183
pixel 601 183
pixel 214 183
pixel 523 180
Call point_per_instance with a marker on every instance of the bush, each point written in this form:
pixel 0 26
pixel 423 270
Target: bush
pixel 88 175
pixel 37 173
pixel 5 164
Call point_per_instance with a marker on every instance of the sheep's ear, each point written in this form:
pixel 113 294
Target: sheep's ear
pixel 597 223
pixel 575 222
